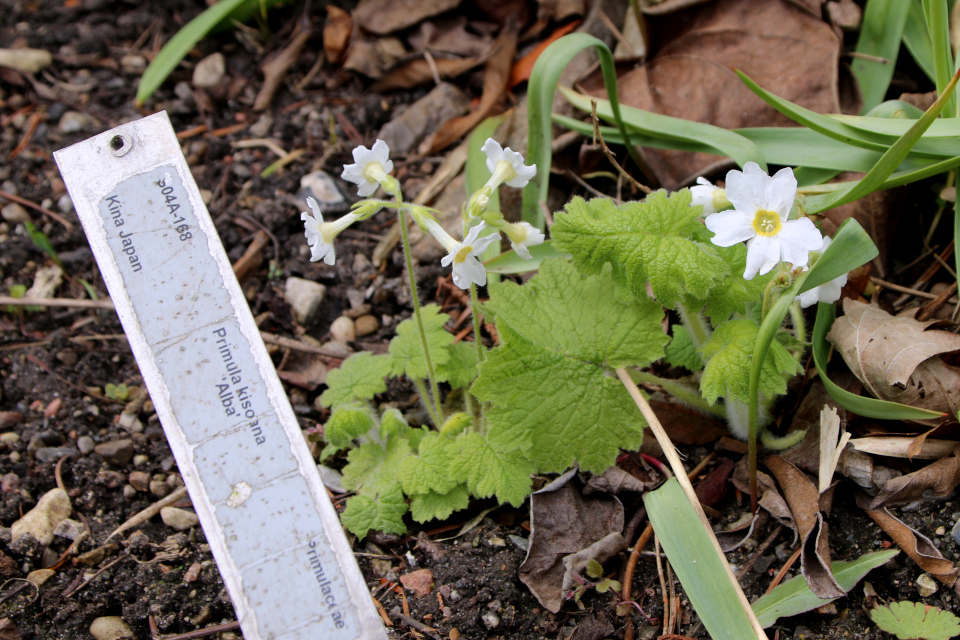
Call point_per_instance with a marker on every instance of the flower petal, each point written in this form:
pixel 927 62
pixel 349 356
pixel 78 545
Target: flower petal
pixel 797 239
pixel 469 271
pixel 524 175
pixel 381 154
pixel 780 192
pixel 480 244
pixel 763 254
pixel 521 250
pixel 808 298
pixel 747 189
pixel 447 259
pixel 730 227
pixel 366 188
pixel 494 153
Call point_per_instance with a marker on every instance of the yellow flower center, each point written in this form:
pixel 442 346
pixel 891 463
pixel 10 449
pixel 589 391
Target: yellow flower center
pixel 766 223
pixel 461 255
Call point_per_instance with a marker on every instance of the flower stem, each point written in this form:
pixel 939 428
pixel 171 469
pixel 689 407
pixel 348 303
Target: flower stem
pixel 696 326
pixel 477 319
pixel 422 390
pixel 437 414
pixel 799 326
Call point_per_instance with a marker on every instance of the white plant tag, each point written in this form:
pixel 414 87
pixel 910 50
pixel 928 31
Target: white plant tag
pixel 270 524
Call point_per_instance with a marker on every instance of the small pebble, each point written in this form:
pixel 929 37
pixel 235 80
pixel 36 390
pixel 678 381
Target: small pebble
pixel 140 459
pixel 14 213
pixel 133 64
pixel 69 529
pixel 178 519
pixel 210 71
pixel 129 492
pixel 117 452
pixel 111 628
pixel 941 531
pixel 86 444
pixel 159 488
pixel 304 297
pixel 926 585
pixel 11 438
pixel 955 532
pixel 140 480
pixel 53 454
pixel 73 122
pixel 193 573
pixel 10 483
pixel 490 620
pixel 52 508
pixel 40 576
pixel 68 357
pixel 343 329
pixel 321 186
pixel 366 325
pixel 65 204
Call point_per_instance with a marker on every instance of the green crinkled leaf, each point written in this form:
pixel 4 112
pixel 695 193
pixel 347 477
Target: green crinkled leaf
pixel 347 423
pixel 550 382
pixel 439 506
pixel 428 470
pixel 461 369
pixel 681 352
pixel 488 471
pixel 732 293
pixel 392 424
pixel 381 512
pixel 374 468
pixel 912 620
pixel 360 377
pixel 660 240
pixel 729 356
pixel 406 349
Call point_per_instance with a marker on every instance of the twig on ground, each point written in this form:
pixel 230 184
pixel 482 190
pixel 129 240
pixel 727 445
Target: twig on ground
pixel 68 593
pixel 200 633
pixel 784 569
pixel 906 290
pixel 149 512
pixel 27 203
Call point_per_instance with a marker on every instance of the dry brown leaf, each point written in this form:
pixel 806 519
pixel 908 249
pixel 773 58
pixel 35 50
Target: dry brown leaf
pixel 564 522
pixel 805 504
pixel 616 481
pixel 897 358
pixel 934 480
pixel 770 498
pixel 496 73
pixel 386 16
pixel 916 545
pixel 419 71
pixel 902 447
pixel 336 33
pixel 783 48
pixel 451 36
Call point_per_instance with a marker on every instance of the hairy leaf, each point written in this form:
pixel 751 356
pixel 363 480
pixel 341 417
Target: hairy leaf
pixel 660 240
pixel 406 349
pixel 911 620
pixel 733 293
pixel 439 506
pixel 347 423
pixel 729 356
pixel 381 511
pixel 373 468
pixel 461 369
pixel 681 352
pixel 428 470
pixel 489 471
pixel 550 383
pixel 360 377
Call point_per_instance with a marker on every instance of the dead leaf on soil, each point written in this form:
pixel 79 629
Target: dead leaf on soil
pixel 615 481
pixel 564 522
pixel 897 358
pixel 386 16
pixel 770 498
pixel 919 547
pixel 783 48
pixel 336 33
pixel 451 36
pixel 902 447
pixel 495 75
pixel 420 71
pixel 934 480
pixel 805 504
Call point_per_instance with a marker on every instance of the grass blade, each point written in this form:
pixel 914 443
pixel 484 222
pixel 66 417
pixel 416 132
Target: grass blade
pixel 880 33
pixel 723 141
pixel 543 82
pixel 859 405
pixel 174 51
pixel 937 17
pixel 878 175
pixel 699 566
pixel 794 596
pixel 916 39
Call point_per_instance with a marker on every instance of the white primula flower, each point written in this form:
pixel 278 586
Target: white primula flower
pixel 320 234
pixel 523 235
pixel 761 206
pixel 370 168
pixel 463 255
pixel 506 166
pixel 711 197
pixel 828 292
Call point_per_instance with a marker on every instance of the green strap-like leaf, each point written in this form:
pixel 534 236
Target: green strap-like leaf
pixel 174 51
pixel 917 39
pixel 861 406
pixel 880 32
pixel 509 262
pixel 543 82
pixel 937 17
pixel 722 141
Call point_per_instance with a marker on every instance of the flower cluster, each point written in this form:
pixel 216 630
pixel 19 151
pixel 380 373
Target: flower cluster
pixel 371 170
pixel 760 217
